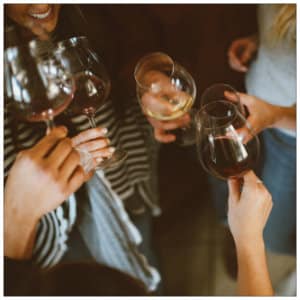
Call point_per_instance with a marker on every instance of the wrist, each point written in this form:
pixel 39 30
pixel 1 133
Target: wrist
pixel 278 113
pixel 19 233
pixel 250 244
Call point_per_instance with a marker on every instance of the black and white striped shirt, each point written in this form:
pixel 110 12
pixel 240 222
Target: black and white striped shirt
pixel 131 132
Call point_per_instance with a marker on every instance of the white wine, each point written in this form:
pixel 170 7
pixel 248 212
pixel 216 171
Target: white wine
pixel 168 108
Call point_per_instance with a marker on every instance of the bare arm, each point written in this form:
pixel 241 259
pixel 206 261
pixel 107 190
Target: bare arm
pixel 286 117
pixel 248 212
pixel 253 274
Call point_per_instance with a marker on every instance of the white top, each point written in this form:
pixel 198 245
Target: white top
pixel 272 76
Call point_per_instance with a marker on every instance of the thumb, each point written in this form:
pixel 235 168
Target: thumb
pixel 246 55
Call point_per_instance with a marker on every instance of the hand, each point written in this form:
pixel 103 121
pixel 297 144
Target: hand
pixel 161 128
pixel 241 51
pixel 249 209
pixel 154 101
pixel 41 179
pixel 94 141
pixel 261 115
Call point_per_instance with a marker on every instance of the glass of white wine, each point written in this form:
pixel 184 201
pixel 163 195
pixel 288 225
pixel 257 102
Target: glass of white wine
pixel 166 91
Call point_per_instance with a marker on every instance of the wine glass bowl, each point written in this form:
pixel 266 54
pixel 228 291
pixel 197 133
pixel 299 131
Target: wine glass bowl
pixel 166 91
pixel 91 78
pixel 222 91
pixel 221 149
pixel 37 87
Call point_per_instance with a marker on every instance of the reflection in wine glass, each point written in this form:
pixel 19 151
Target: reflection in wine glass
pixel 165 90
pixel 92 85
pixel 221 149
pixel 222 91
pixel 37 87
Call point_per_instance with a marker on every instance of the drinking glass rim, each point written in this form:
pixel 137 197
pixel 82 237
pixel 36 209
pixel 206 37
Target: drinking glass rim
pixel 233 90
pixel 143 58
pixel 227 103
pixel 72 41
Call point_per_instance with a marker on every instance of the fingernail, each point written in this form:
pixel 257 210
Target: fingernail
pixel 111 149
pixel 99 159
pixel 104 130
pixel 108 140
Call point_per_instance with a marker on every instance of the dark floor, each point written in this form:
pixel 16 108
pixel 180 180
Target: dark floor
pixel 189 239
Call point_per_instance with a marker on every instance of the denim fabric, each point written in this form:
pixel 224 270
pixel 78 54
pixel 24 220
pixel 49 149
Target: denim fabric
pixel 278 172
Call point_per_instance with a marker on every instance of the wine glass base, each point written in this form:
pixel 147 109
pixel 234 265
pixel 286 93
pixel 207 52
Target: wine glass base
pixel 114 161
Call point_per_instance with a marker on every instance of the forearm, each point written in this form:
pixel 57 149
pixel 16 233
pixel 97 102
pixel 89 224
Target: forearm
pixel 286 117
pixel 253 274
pixel 19 234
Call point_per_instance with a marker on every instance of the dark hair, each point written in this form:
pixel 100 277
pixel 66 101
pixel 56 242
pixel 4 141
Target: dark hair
pixel 88 279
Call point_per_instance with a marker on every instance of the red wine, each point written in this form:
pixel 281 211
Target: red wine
pixel 91 92
pixel 226 157
pixel 40 108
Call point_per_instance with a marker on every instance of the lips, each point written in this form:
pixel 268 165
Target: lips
pixel 41 16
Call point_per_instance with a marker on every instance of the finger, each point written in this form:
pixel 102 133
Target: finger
pixel 233 49
pixel 162 137
pixel 171 125
pixel 245 99
pixel 60 153
pixel 234 191
pixel 251 180
pixel 94 145
pixel 246 56
pixel 76 180
pixel 105 152
pixel 89 134
pixel 237 65
pixel 242 135
pixel 156 104
pixel 231 96
pixel 42 148
pixel 69 165
pixel 89 175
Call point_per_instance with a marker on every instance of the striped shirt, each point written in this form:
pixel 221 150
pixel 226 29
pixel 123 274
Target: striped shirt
pixel 131 132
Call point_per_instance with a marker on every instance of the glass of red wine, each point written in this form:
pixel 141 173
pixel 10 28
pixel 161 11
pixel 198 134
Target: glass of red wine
pixel 222 91
pixel 166 91
pixel 37 87
pixel 221 149
pixel 92 86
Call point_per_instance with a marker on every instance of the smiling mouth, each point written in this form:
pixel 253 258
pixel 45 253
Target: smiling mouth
pixel 41 16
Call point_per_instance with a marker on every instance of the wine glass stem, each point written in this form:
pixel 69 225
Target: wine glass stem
pixel 50 124
pixel 92 121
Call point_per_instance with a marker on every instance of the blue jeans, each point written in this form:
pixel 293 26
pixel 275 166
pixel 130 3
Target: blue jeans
pixel 278 172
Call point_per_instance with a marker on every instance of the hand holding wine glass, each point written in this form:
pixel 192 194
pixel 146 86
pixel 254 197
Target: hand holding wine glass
pixel 166 92
pixel 92 90
pixel 248 209
pixel 264 115
pixel 222 150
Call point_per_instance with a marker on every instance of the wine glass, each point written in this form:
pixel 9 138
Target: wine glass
pixel 92 85
pixel 166 91
pixel 222 91
pixel 37 87
pixel 221 150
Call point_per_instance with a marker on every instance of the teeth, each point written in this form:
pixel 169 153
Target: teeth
pixel 41 16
